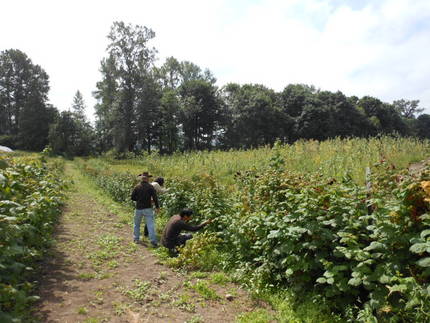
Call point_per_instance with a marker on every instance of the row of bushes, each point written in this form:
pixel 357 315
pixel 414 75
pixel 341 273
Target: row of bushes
pixel 367 252
pixel 31 195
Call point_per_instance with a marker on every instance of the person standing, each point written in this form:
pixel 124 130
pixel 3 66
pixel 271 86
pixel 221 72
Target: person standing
pixel 143 194
pixel 172 237
pixel 159 185
pixel 160 189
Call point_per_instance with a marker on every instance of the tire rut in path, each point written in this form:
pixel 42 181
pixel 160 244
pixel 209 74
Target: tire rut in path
pixel 94 273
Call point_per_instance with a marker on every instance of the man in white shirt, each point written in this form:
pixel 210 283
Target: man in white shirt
pixel 158 185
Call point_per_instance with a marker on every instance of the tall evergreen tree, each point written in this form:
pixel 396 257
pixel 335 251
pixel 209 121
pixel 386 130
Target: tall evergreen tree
pixel 24 113
pixel 107 90
pixel 132 57
pixel 79 107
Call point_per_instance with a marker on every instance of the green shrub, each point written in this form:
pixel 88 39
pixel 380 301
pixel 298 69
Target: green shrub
pixel 31 196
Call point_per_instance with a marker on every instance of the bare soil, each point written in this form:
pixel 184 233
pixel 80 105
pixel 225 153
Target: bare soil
pixel 95 273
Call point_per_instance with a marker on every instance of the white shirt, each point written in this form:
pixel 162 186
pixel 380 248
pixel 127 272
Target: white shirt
pixel 158 188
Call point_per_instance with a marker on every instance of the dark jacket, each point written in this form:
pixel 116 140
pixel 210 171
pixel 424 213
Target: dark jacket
pixel 173 228
pixel 142 194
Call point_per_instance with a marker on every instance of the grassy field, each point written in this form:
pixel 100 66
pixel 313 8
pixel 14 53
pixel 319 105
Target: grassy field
pixel 333 158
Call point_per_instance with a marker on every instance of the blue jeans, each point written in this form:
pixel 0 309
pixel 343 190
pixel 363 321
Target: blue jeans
pixel 149 221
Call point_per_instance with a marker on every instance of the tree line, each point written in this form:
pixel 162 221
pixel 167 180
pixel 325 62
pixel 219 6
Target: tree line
pixel 178 107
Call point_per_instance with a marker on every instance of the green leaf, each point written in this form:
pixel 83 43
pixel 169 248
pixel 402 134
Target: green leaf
pixel 354 281
pixel 328 274
pixel 321 280
pixel 374 245
pixel 425 233
pixel 384 279
pixel 401 288
pixel 412 303
pixel 419 247
pixel 425 262
pixel 273 234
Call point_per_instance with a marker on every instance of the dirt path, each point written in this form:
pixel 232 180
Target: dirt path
pixel 95 273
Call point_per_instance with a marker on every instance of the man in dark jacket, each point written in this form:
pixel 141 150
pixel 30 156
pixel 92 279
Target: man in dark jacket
pixel 172 236
pixel 144 194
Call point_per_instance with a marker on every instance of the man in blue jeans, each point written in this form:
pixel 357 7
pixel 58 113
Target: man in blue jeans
pixel 144 194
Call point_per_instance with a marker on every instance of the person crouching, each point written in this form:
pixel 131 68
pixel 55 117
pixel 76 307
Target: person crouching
pixel 172 237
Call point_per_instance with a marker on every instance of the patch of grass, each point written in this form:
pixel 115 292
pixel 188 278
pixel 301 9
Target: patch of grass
pixel 195 319
pixel 109 242
pixel 100 257
pixel 164 297
pixel 92 320
pixel 113 264
pixel 257 316
pixel 120 308
pixel 298 308
pixel 198 274
pixel 82 310
pixel 87 276
pixel 185 304
pixel 204 290
pixel 99 297
pixel 219 278
pixel 104 275
pixel 140 292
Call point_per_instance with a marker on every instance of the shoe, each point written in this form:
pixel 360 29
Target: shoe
pixel 137 241
pixel 154 245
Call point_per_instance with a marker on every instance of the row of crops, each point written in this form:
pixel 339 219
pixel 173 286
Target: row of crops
pixel 364 251
pixel 31 195
pixel 331 157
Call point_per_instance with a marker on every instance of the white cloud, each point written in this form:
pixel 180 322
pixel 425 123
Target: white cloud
pixel 360 48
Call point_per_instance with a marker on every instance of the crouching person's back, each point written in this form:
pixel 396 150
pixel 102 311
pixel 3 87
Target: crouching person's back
pixel 172 237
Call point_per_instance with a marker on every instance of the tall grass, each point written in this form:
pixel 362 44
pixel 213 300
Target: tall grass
pixel 334 158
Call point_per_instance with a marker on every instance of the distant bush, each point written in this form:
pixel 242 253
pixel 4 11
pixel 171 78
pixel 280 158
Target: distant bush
pixel 8 141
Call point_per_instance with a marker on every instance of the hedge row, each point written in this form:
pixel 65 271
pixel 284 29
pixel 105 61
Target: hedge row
pixel 31 196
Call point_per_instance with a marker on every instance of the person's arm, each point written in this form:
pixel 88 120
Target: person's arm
pixel 134 195
pixel 188 227
pixel 155 198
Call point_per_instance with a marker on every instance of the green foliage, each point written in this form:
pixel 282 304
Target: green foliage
pixel 31 195
pixel 71 134
pixel 25 114
pixel 199 253
pixel 204 290
pixel 314 235
pixel 140 292
pixel 331 157
pixel 364 252
pixel 256 316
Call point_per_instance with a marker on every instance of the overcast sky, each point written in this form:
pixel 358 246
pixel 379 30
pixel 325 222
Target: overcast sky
pixel 360 47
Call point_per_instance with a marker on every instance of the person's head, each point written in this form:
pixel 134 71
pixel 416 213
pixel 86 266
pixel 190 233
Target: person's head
pixel 160 180
pixel 145 176
pixel 186 214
